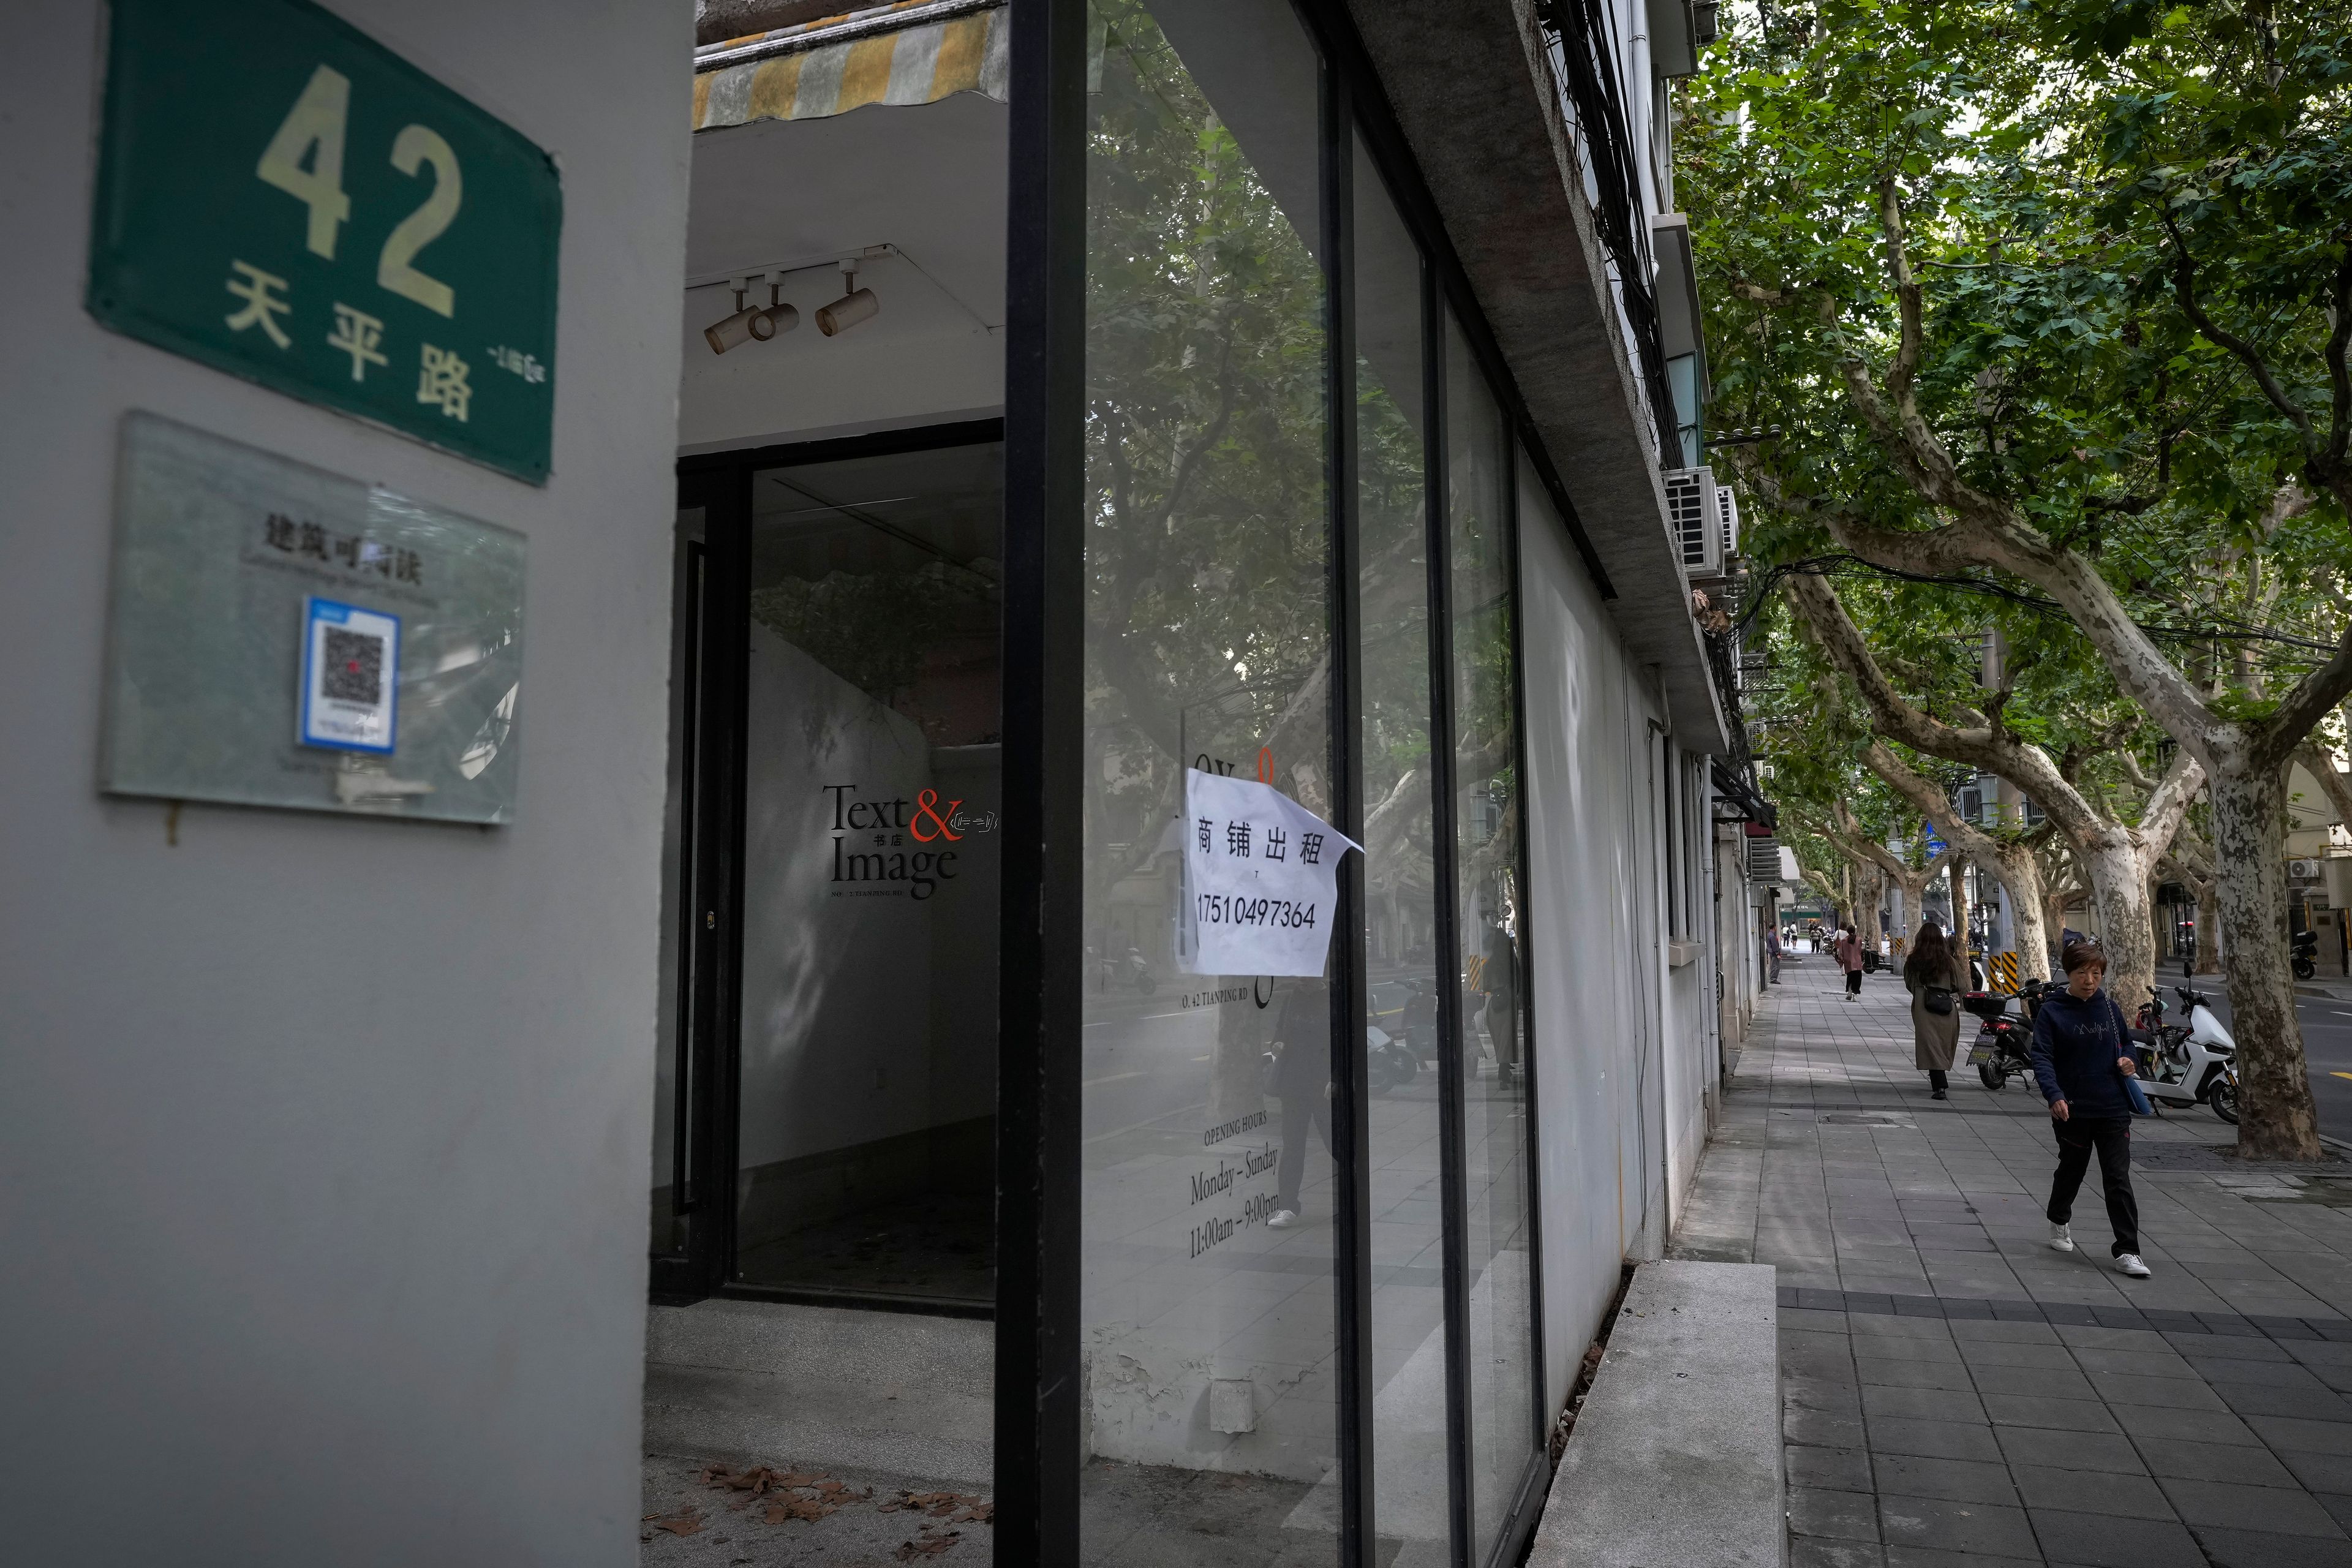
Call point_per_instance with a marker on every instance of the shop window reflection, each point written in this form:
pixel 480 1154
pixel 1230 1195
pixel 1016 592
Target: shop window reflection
pixel 1406 1118
pixel 1500 1243
pixel 1208 1328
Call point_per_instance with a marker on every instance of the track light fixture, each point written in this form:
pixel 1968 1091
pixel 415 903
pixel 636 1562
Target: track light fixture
pixel 778 317
pixel 736 328
pixel 855 305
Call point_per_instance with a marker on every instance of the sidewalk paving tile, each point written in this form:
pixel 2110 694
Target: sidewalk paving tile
pixel 2257 1549
pixel 1983 1528
pixel 1840 1469
pixel 2104 1541
pixel 2234 1506
pixel 2062 1414
pixel 1844 1516
pixel 2082 1492
pixel 2230 1462
pixel 1951 1480
pixel 1935 1439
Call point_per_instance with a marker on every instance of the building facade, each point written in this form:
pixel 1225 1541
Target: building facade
pixel 989 442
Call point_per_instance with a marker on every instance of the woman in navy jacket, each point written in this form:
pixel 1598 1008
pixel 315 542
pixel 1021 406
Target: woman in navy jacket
pixel 2082 1059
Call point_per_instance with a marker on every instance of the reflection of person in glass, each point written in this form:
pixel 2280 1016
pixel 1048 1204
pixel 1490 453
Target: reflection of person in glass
pixel 1500 977
pixel 1302 1080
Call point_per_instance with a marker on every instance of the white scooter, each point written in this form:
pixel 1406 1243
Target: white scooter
pixel 2186 1065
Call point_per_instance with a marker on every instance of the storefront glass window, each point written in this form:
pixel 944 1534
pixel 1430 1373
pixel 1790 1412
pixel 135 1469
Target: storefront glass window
pixel 1488 908
pixel 1406 1141
pixel 872 760
pixel 1208 1205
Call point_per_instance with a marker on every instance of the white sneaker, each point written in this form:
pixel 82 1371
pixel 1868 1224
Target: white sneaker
pixel 2060 1239
pixel 2129 1263
pixel 1283 1219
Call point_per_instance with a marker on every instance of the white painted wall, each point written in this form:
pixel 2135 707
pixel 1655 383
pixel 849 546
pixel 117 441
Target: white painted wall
pixel 323 1143
pixel 1596 967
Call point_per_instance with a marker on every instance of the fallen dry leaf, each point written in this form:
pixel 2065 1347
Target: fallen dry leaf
pixel 808 1509
pixel 911 1549
pixel 686 1520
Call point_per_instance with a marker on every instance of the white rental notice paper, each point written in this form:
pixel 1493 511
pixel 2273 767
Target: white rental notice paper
pixel 1260 879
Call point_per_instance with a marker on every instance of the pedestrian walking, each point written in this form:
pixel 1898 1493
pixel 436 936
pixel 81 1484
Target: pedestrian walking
pixel 1932 976
pixel 2082 1061
pixel 1301 1078
pixel 1848 948
pixel 1772 952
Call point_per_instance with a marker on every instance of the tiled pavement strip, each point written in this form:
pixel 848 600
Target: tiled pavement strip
pixel 1951 1393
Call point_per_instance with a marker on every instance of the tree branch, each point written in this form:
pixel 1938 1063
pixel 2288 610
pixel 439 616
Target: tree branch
pixel 1905 368
pixel 2275 738
pixel 2336 786
pixel 2340 380
pixel 2184 289
pixel 2168 804
pixel 1822 614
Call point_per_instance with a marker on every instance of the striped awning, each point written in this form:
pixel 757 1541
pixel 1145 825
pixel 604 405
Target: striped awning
pixel 914 51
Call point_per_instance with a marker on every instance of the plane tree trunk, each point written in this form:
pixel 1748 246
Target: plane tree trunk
pixel 2280 1121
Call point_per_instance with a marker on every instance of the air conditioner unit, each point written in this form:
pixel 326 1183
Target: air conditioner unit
pixel 1695 506
pixel 1727 508
pixel 2303 870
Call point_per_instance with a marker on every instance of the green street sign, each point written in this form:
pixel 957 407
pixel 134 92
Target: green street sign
pixel 285 199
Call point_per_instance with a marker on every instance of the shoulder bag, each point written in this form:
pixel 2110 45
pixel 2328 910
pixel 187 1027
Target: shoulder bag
pixel 1936 999
pixel 2140 1104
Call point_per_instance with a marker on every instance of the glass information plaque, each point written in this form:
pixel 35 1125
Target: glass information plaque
pixel 280 636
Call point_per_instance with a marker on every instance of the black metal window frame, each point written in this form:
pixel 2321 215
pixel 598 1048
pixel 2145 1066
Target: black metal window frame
pixel 1040 1392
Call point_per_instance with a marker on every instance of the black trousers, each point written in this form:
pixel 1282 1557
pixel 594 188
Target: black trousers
pixel 1938 1078
pixel 1300 1105
pixel 1853 982
pixel 2110 1137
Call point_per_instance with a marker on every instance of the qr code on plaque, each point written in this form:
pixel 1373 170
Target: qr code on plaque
pixel 354 671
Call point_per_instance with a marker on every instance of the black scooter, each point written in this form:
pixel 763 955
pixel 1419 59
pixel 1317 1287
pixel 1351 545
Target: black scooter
pixel 2004 1045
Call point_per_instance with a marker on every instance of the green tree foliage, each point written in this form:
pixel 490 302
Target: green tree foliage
pixel 2054 297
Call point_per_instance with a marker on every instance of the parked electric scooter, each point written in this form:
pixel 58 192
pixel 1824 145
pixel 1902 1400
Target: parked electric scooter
pixel 2306 954
pixel 1390 1061
pixel 2181 1065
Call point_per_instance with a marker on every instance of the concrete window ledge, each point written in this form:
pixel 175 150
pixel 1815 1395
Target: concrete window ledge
pixel 1675 1459
pixel 1680 951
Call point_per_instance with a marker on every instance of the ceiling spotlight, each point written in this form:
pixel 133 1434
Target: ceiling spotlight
pixel 736 328
pixel 857 305
pixel 778 317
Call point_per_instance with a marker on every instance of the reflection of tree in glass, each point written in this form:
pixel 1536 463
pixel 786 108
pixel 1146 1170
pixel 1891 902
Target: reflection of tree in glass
pixel 1207 541
pixel 877 629
pixel 1392 487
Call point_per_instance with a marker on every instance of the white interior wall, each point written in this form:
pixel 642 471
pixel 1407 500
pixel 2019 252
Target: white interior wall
pixel 323 1142
pixel 849 1033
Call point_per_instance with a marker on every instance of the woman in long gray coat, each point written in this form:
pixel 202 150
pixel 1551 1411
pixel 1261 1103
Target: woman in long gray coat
pixel 1932 976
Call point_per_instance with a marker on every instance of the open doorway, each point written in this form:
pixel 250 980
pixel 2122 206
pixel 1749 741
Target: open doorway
pixel 838 789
